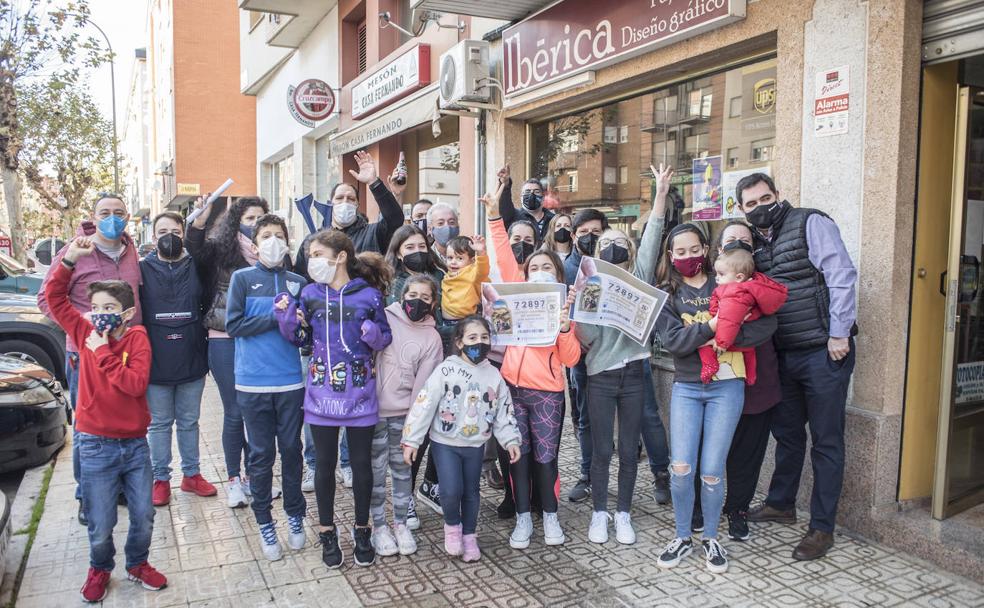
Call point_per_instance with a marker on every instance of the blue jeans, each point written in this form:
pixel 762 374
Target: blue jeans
pixel 653 431
pixel 459 470
pixel 172 405
pixel 579 379
pixel 108 466
pixel 222 364
pixel 274 420
pixel 72 377
pixel 715 409
pixel 814 392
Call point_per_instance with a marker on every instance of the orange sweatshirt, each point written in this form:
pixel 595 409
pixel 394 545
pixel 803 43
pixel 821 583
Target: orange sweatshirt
pixel 538 368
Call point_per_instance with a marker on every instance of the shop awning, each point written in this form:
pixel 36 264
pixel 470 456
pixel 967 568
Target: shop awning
pixel 506 10
pixel 417 109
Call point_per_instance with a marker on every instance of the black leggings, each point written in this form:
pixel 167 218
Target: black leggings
pixel 360 454
pixel 542 476
pixel 430 472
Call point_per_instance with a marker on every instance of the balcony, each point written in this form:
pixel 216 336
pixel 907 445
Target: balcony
pixel 297 18
pixel 505 10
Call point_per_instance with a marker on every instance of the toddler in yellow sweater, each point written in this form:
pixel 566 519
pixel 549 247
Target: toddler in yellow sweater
pixel 468 268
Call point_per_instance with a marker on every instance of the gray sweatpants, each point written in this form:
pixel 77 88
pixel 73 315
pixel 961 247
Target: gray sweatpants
pixel 388 453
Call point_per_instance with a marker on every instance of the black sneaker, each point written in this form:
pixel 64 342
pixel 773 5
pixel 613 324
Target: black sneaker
pixel 714 553
pixel 738 526
pixel 697 521
pixel 83 519
pixel 430 494
pixel 581 491
pixel 661 488
pixel 674 552
pixel 506 509
pixel 365 554
pixel 331 553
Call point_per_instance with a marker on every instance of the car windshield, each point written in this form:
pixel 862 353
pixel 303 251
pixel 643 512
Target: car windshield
pixel 10 264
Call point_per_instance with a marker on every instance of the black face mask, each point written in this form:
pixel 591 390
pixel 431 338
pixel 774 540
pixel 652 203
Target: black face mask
pixel 733 245
pixel 562 235
pixel 532 200
pixel 613 254
pixel 416 261
pixel 765 216
pixel 521 251
pixel 587 243
pixel 476 353
pixel 416 309
pixel 169 246
pixel 421 224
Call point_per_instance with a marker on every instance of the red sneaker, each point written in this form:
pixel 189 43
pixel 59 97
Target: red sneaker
pixel 96 585
pixel 197 485
pixel 162 492
pixel 148 577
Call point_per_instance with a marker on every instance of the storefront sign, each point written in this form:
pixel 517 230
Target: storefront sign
pixel 523 314
pixel 422 108
pixel 758 101
pixel 189 189
pixel 707 188
pixel 729 184
pixel 310 102
pixel 402 76
pixel 612 297
pixel 831 108
pixel 573 36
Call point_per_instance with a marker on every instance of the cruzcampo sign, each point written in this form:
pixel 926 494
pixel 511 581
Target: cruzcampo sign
pixel 573 36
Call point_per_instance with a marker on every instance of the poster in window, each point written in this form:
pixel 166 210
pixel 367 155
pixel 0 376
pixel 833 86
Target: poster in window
pixel 831 108
pixel 708 202
pixel 523 314
pixel 758 107
pixel 729 185
pixel 970 383
pixel 612 297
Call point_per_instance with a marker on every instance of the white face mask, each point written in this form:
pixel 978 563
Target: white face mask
pixel 542 276
pixel 272 252
pixel 344 214
pixel 322 270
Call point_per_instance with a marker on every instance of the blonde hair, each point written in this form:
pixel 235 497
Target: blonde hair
pixel 548 241
pixel 737 261
pixel 614 233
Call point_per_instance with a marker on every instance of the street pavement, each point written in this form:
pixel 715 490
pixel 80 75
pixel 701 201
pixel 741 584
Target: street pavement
pixel 211 556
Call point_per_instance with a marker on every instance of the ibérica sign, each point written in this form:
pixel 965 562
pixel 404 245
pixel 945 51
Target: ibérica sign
pixel 573 36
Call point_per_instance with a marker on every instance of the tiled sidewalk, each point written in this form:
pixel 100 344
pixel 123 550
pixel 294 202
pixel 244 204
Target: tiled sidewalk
pixel 212 557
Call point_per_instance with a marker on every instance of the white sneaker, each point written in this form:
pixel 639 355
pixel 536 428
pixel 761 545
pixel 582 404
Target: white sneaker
pixel 413 522
pixel 598 532
pixel 269 542
pixel 308 484
pixel 383 541
pixel 553 534
pixel 405 540
pixel 520 538
pixel 296 538
pixel 623 529
pixel 347 476
pixel 275 491
pixel 237 495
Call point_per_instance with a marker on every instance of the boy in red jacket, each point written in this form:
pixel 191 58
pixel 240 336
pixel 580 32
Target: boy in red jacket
pixel 111 420
pixel 741 295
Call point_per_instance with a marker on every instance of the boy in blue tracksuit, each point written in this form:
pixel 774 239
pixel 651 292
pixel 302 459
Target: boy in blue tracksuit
pixel 269 381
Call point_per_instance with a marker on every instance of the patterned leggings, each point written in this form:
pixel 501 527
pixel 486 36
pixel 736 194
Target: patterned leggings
pixel 540 417
pixel 387 453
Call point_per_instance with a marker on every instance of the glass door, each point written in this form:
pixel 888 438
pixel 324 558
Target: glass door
pixel 959 478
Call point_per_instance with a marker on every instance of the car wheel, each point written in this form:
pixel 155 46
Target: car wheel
pixel 27 351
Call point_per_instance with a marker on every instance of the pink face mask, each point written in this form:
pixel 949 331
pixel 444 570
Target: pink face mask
pixel 689 267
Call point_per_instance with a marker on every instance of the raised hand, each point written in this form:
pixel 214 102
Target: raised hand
pixel 663 177
pixel 80 247
pixel 478 244
pixel 503 175
pixel 491 204
pixel 395 188
pixel 367 168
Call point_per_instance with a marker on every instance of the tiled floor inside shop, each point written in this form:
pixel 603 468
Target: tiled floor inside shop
pixel 211 556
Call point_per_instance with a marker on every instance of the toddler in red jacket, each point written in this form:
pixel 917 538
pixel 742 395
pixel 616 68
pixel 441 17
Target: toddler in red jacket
pixel 741 295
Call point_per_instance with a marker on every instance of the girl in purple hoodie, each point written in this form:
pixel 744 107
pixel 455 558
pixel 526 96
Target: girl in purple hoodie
pixel 342 314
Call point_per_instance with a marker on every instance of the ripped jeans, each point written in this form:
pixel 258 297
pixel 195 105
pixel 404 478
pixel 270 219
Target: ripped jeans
pixel 714 408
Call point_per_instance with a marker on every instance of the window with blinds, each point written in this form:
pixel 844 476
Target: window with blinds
pixel 362 47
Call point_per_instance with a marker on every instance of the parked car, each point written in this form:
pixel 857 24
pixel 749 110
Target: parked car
pixel 33 413
pixel 18 278
pixel 26 334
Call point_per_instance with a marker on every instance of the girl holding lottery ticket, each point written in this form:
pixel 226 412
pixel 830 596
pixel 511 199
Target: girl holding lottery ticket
pixel 617 375
pixel 535 375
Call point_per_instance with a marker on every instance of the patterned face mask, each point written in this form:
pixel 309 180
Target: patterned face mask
pixel 106 321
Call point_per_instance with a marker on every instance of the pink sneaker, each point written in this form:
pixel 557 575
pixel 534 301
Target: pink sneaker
pixel 471 551
pixel 452 539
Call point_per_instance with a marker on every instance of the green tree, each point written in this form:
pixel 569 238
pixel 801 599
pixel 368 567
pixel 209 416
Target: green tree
pixel 67 154
pixel 35 43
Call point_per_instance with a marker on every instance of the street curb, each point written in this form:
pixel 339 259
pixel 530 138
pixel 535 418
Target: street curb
pixel 20 518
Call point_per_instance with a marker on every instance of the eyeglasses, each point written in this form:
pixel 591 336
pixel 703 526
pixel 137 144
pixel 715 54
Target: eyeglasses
pixel 620 242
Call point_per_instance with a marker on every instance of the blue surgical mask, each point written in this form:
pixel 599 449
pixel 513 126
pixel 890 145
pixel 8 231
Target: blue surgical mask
pixel 443 234
pixel 247 231
pixel 112 227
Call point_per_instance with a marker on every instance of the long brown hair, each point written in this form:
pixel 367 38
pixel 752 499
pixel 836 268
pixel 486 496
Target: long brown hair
pixel 548 240
pixel 368 265
pixel 667 276
pixel 554 259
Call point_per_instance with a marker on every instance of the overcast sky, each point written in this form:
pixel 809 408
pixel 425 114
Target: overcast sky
pixel 125 22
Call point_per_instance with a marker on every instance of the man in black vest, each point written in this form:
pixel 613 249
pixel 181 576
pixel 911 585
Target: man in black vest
pixel 802 249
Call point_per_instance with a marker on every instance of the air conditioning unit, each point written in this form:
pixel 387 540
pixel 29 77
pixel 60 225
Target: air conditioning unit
pixel 465 75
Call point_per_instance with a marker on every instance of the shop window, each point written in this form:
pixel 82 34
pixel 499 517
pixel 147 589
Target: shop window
pixel 283 186
pixel 363 47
